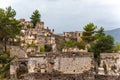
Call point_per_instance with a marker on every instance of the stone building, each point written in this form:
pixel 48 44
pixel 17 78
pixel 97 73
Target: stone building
pixel 31 41
pixel 36 36
pixel 112 62
pixel 74 49
pixel 16 63
pixel 73 35
pixel 72 63
pixel 63 63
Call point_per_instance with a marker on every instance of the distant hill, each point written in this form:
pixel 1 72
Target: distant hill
pixel 115 33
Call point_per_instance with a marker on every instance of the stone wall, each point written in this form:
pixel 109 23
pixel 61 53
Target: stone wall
pixel 88 75
pixel 34 62
pixel 73 65
pixel 68 63
pixel 73 35
pixel 106 77
pixel 57 76
pixel 112 62
pixel 63 66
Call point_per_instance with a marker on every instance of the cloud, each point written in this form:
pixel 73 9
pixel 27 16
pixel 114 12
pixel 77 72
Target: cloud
pixel 69 15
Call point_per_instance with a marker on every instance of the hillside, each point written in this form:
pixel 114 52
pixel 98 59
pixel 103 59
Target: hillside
pixel 115 33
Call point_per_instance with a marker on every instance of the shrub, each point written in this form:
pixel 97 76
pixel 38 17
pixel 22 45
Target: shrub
pixel 31 45
pixel 8 51
pixel 69 44
pixel 80 45
pixel 42 49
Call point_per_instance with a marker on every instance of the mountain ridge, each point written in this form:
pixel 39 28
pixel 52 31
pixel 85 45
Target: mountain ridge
pixel 115 33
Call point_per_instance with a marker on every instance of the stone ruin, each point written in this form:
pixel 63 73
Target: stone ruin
pixel 56 63
pixel 112 62
pixel 76 36
pixel 31 64
pixel 63 66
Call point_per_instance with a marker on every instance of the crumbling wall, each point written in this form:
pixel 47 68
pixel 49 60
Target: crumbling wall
pixel 66 63
pixel 55 76
pixel 112 62
pixel 35 64
pixel 106 77
pixel 73 65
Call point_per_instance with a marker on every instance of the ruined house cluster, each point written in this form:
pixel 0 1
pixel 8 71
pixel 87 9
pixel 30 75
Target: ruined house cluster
pixel 32 60
pixel 73 35
pixel 36 37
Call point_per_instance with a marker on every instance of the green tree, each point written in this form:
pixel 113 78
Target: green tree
pixel 35 17
pixel 117 48
pixel 9 26
pixel 69 44
pixel 5 65
pixel 88 33
pixel 100 33
pixel 80 45
pixel 103 44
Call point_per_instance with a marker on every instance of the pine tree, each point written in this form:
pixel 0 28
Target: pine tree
pixel 35 17
pixel 88 33
pixel 100 33
pixel 9 26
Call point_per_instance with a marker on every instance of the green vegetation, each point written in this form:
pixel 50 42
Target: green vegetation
pixel 69 44
pixel 104 43
pixel 42 49
pixel 5 65
pixel 9 30
pixel 98 41
pixel 29 26
pixel 35 17
pixel 80 45
pixel 88 33
pixel 32 44
pixel 117 48
pixel 9 26
pixel 100 33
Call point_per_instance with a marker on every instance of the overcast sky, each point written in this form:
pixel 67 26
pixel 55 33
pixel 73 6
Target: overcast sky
pixel 69 15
